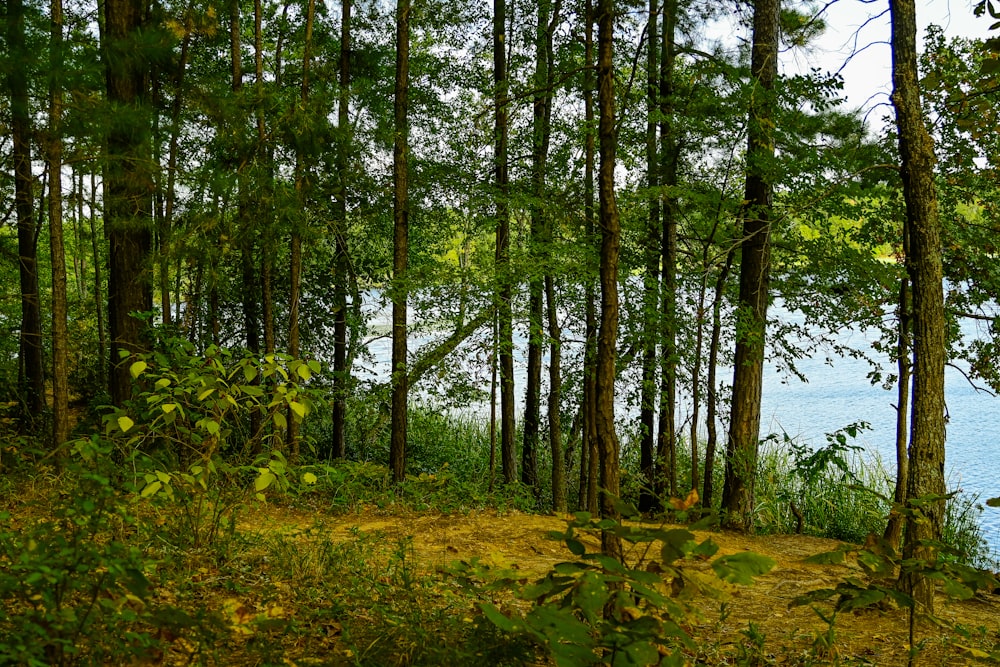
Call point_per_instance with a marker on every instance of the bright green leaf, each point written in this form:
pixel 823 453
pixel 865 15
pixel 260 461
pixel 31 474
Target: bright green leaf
pixel 298 408
pixel 162 383
pixel 151 488
pixel 280 421
pixel 303 371
pixel 205 393
pixel 125 423
pixel 211 426
pixel 264 480
pixel 137 368
pixel 309 478
pixel 168 407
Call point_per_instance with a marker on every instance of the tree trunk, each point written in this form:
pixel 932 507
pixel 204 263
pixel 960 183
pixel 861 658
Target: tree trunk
pixel 711 383
pixel 508 459
pixel 302 187
pixel 341 371
pixel 650 282
pixel 894 527
pixel 927 431
pixel 60 334
pixel 748 366
pixel 31 368
pixel 607 340
pixel 666 439
pixel 400 241
pixel 95 243
pixel 128 187
pixel 589 459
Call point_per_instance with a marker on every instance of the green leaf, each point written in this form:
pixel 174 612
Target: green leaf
pixel 303 371
pixel 162 383
pixel 309 478
pixel 313 365
pixel 280 421
pixel 211 426
pixel 137 368
pixel 205 393
pixel 298 408
pixel 827 558
pixel 249 373
pixel 993 502
pixel 151 488
pixel 264 480
pixel 741 568
pixel 125 423
pixel 163 477
pixel 498 619
pixel 168 407
pixel 575 547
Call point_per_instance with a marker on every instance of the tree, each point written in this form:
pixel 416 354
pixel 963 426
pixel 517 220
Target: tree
pixel 341 371
pixel 744 429
pixel 607 340
pixel 925 481
pixel 505 318
pixel 128 185
pixel 400 241
pixel 31 370
pixel 60 335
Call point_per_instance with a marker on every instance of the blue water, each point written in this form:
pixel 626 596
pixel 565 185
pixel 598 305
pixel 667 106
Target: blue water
pixel 838 393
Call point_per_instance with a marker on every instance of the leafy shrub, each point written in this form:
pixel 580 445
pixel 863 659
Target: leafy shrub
pixel 71 594
pixel 599 610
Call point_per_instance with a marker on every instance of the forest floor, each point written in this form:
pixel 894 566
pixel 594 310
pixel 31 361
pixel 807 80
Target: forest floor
pixel 784 634
pixel 294 583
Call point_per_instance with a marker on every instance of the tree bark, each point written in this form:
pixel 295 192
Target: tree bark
pixel 400 242
pixel 607 340
pixel 31 368
pixel 894 527
pixel 666 439
pixel 60 334
pixel 341 371
pixel 748 367
pixel 650 282
pixel 589 459
pixel 508 459
pixel 128 187
pixel 927 427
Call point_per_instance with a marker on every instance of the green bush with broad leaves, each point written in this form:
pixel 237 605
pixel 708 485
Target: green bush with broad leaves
pixel 597 609
pixel 204 431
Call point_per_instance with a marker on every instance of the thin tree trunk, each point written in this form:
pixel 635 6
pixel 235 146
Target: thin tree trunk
pixel 400 242
pixel 607 340
pixel 60 334
pixel 927 431
pixel 666 439
pixel 31 369
pixel 508 459
pixel 894 528
pixel 748 365
pixel 99 303
pixel 650 277
pixel 712 384
pixel 589 459
pixel 341 371
pixel 302 187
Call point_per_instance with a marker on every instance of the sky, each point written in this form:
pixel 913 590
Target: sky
pixel 856 25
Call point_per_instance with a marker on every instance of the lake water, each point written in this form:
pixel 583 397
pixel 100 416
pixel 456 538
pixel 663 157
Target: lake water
pixel 838 393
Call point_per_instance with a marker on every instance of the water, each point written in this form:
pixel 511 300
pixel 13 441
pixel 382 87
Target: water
pixel 839 393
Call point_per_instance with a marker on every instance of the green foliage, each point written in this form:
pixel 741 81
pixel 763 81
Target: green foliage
pixel 599 610
pixel 879 568
pixel 831 491
pixel 72 593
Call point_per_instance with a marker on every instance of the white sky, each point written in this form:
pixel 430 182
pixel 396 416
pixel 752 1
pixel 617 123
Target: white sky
pixel 855 25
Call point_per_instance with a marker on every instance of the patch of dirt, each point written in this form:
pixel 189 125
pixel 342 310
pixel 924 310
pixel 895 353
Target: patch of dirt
pixel 791 634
